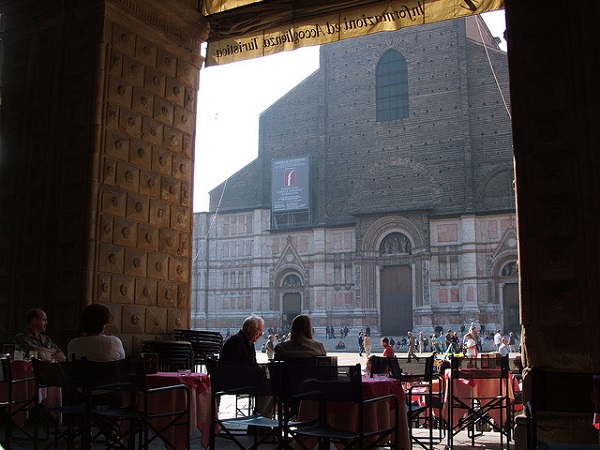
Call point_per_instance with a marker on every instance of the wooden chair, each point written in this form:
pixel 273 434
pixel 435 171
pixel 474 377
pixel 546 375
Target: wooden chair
pixel 569 396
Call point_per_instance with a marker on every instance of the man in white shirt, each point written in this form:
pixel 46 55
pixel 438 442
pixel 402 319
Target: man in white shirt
pixel 498 339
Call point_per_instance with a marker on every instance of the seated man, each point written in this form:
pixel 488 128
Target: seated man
pixel 32 338
pixel 239 348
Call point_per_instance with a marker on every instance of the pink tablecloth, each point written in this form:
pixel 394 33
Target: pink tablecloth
pixel 376 416
pixel 199 403
pixel 472 387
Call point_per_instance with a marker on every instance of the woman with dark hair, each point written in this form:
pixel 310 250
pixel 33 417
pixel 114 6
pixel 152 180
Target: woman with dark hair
pixel 94 344
pixel 300 343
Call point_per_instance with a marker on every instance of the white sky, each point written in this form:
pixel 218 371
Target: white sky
pixel 231 98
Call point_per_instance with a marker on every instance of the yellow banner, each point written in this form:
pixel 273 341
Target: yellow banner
pixel 216 6
pixel 354 22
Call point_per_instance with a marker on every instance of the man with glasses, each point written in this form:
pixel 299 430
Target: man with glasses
pixel 240 351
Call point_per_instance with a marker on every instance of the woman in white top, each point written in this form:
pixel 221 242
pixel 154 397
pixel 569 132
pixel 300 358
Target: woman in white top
pixel 94 344
pixel 471 346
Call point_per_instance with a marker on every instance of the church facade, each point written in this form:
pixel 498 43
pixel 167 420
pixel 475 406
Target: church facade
pixel 382 195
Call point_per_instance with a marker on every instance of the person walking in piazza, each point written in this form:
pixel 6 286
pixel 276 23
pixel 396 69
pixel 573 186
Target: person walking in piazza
pixel 471 347
pixel 361 343
pixel 448 340
pixel 367 343
pixel 388 350
pixel 476 336
pixel 504 349
pixel 512 342
pixel 422 342
pixel 457 348
pixel 411 347
pixel 270 346
pixel 498 339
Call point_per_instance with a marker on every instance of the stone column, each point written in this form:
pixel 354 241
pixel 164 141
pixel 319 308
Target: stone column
pixel 98 129
pixel 554 97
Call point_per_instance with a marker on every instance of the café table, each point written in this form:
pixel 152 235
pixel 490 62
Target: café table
pixel 377 416
pixel 199 384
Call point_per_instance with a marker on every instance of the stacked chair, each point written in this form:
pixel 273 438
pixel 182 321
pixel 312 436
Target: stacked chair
pixel 203 342
pixel 172 355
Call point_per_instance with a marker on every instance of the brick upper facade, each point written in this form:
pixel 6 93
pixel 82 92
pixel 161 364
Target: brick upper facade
pixel 440 178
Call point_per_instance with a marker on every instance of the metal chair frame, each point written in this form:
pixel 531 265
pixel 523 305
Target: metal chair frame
pixel 478 408
pixel 71 412
pixel 350 393
pixel 12 406
pixel 235 379
pixel 424 388
pixel 128 379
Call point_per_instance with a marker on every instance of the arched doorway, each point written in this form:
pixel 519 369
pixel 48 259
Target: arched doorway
pixel 396 286
pixel 510 297
pixel 291 299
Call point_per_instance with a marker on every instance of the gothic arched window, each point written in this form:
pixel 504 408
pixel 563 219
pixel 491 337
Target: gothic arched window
pixel 391 80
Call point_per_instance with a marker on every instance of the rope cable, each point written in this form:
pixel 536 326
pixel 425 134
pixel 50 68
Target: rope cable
pixel 487 54
pixel 205 239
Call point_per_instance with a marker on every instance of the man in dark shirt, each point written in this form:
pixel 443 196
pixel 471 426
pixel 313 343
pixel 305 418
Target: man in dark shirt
pixel 448 341
pixel 32 338
pixel 239 350
pixel 240 346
